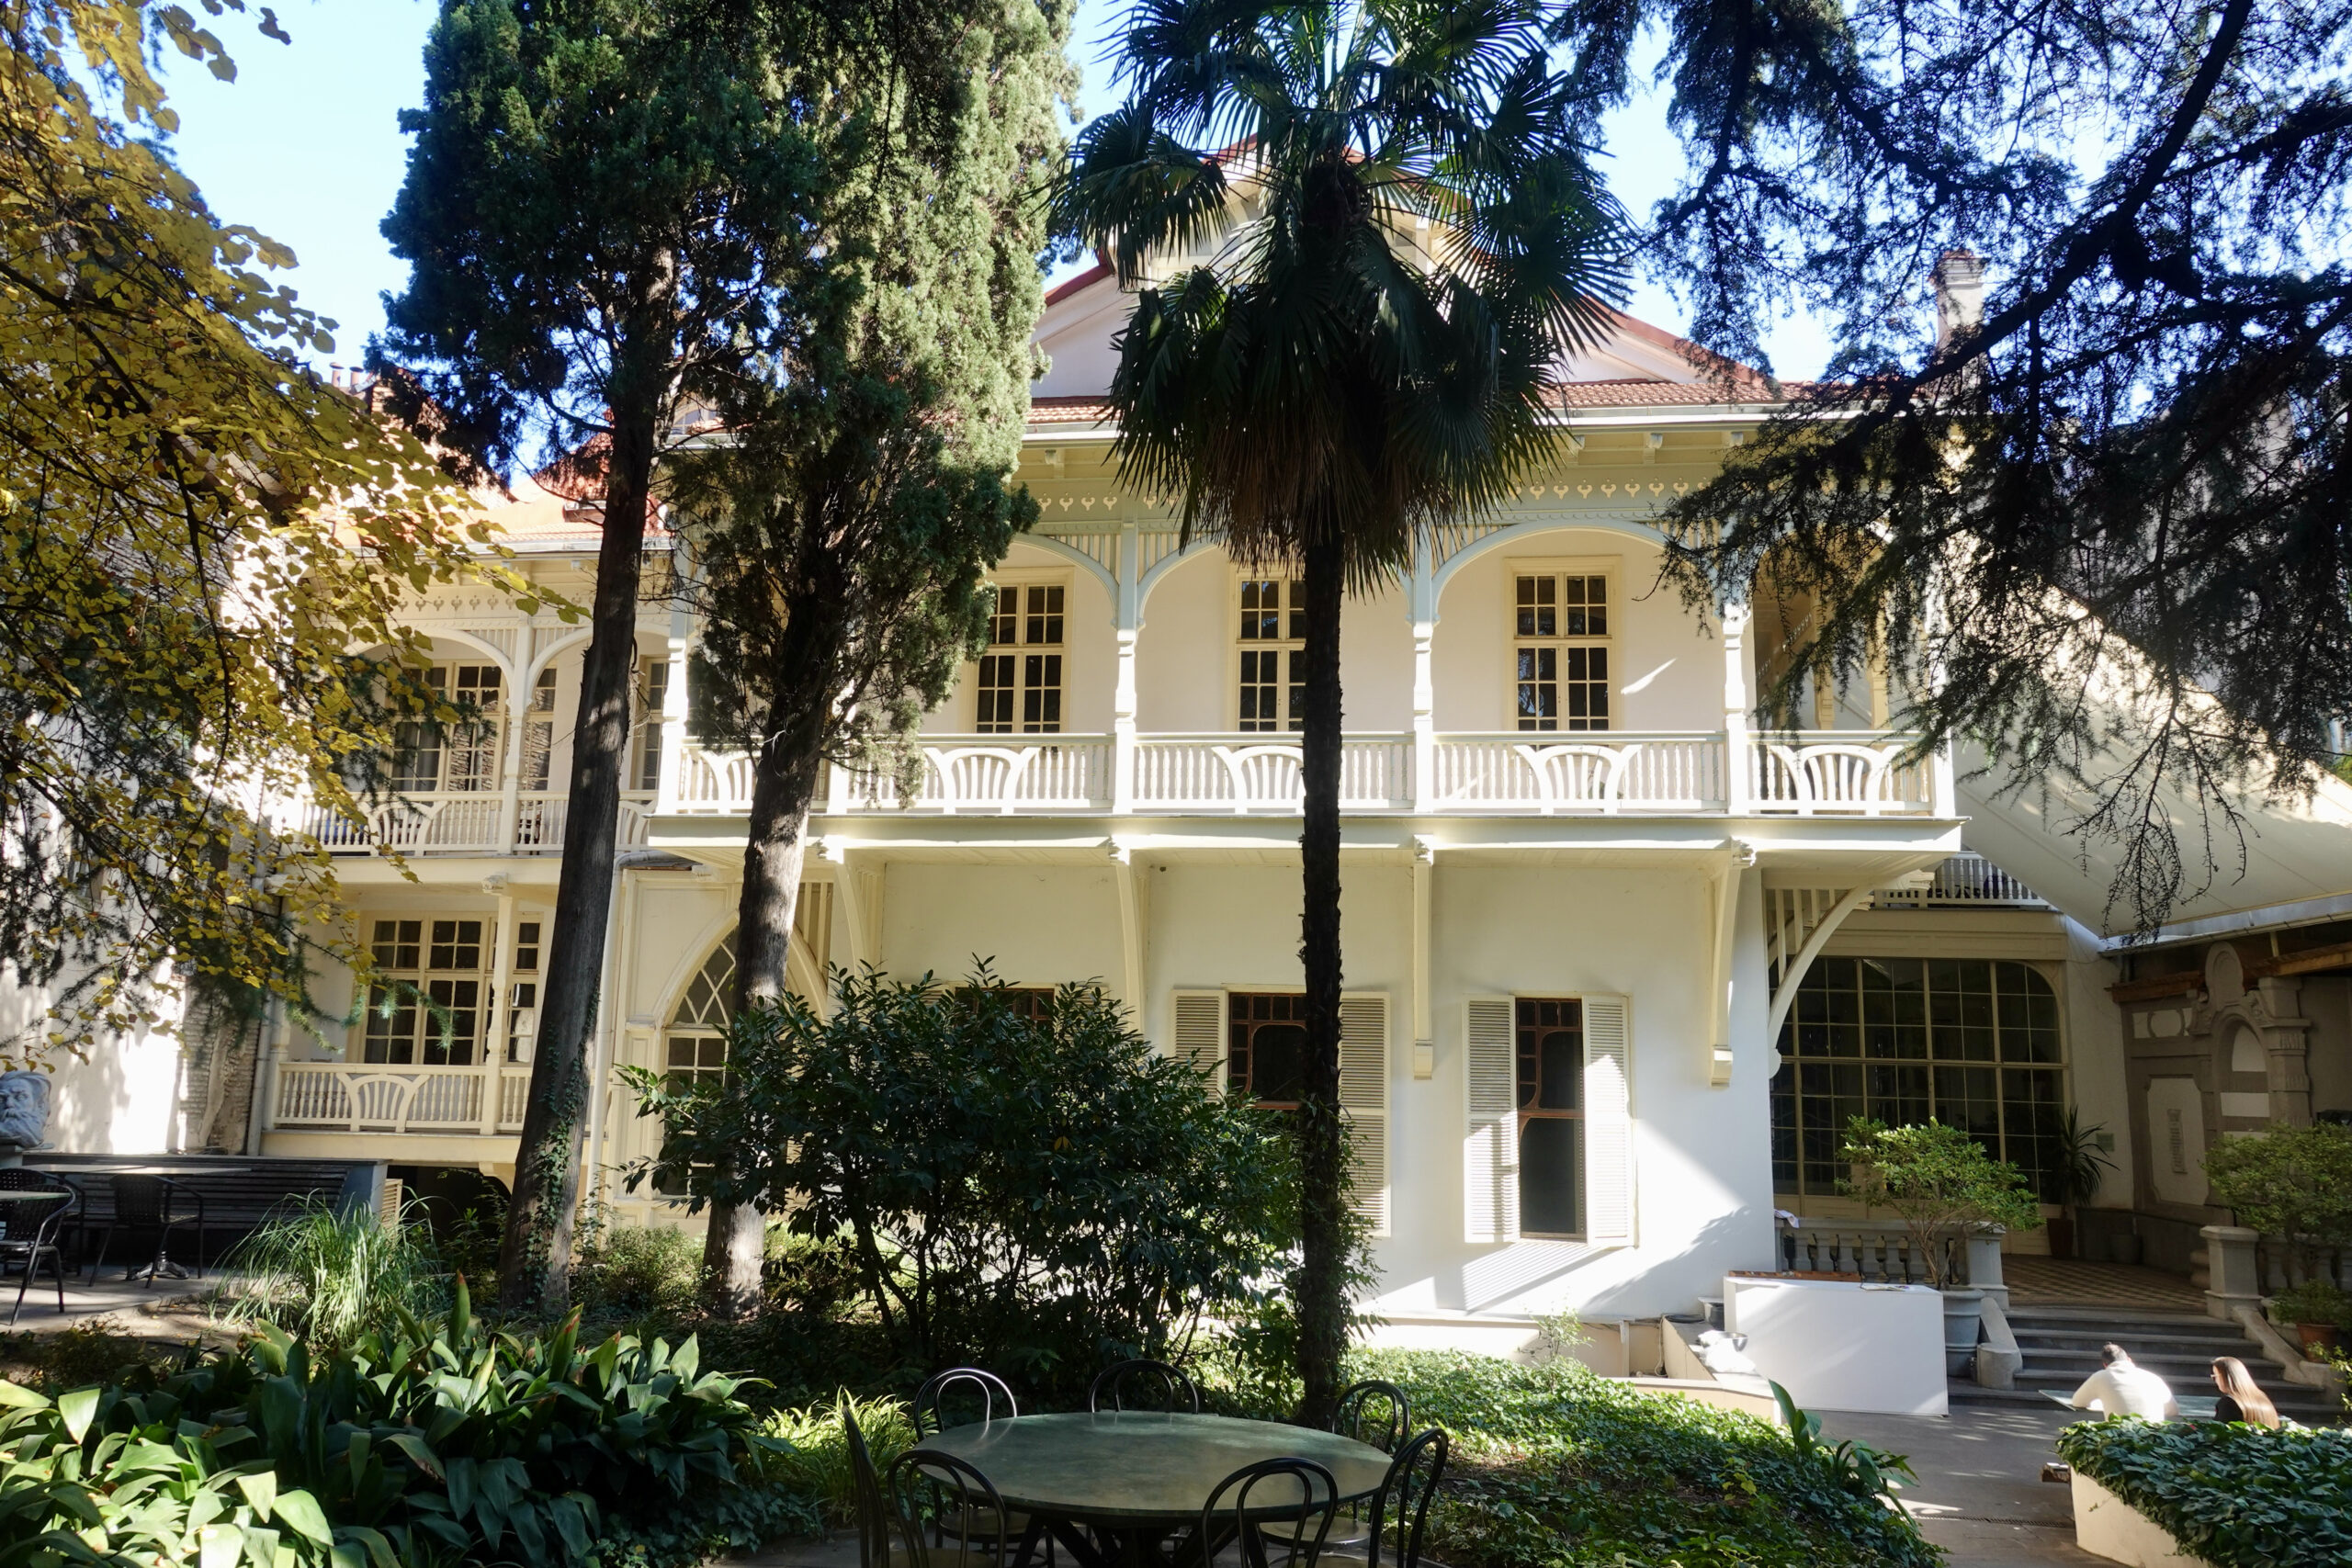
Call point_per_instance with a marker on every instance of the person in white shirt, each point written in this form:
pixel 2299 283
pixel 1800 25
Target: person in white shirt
pixel 2122 1388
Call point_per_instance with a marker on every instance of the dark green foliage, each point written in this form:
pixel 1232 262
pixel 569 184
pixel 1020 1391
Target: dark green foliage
pixel 1041 1195
pixel 428 1442
pixel 2236 1495
pixel 1381 230
pixel 1556 1468
pixel 2138 457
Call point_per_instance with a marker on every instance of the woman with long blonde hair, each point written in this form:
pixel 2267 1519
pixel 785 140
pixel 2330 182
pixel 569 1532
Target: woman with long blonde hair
pixel 2241 1399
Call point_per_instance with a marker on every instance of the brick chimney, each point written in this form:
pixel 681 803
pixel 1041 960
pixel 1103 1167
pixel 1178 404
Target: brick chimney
pixel 1959 295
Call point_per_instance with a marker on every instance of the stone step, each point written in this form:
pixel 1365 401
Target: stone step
pixel 2093 1337
pixel 2307 1405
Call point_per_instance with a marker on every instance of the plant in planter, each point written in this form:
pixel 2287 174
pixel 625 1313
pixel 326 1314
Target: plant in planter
pixel 2078 1162
pixel 2294 1185
pixel 1942 1184
pixel 2318 1310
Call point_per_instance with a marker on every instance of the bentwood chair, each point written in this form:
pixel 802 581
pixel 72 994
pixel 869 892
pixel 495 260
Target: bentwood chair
pixel 1301 1493
pixel 866 1497
pixel 1148 1380
pixel 1376 1414
pixel 29 1232
pixel 940 1403
pixel 963 1386
pixel 971 1526
pixel 1401 1506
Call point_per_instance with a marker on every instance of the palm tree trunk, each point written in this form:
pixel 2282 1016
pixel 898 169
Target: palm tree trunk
pixel 534 1254
pixel 782 791
pixel 1319 1291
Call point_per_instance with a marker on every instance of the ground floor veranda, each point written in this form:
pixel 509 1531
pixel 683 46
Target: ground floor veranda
pixel 1641 978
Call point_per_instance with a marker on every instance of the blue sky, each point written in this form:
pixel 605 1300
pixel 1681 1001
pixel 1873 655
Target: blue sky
pixel 305 145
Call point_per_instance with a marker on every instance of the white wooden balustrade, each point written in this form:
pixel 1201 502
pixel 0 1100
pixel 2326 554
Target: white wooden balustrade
pixel 1606 771
pixel 1837 772
pixel 365 1097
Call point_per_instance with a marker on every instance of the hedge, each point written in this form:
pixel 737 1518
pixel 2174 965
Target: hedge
pixel 2237 1495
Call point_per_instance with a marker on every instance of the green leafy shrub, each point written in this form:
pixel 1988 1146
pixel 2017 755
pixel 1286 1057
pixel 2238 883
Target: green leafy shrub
pixel 813 1461
pixel 330 1276
pixel 2313 1300
pixel 2236 1495
pixel 1940 1182
pixel 2291 1182
pixel 639 1269
pixel 440 1441
pixel 1049 1194
pixel 1558 1468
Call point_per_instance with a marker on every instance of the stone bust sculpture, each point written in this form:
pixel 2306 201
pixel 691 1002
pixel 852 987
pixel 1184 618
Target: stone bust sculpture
pixel 24 1109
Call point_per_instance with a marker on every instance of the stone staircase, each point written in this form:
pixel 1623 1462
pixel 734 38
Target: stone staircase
pixel 2061 1348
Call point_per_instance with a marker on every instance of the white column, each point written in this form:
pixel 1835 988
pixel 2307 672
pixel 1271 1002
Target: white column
pixel 502 981
pixel 674 718
pixel 1737 745
pixel 1122 694
pixel 1424 1036
pixel 512 704
pixel 1423 607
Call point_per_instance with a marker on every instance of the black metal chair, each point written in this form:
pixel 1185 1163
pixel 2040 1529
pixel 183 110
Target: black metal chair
pixel 25 1179
pixel 994 1398
pixel 1376 1414
pixel 971 1526
pixel 151 1203
pixel 866 1497
pixel 1404 1498
pixel 1301 1497
pixel 967 1387
pixel 29 1232
pixel 1172 1385
pixel 1373 1413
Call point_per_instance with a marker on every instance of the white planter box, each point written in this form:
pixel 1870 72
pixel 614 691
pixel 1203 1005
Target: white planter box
pixel 2106 1526
pixel 1843 1344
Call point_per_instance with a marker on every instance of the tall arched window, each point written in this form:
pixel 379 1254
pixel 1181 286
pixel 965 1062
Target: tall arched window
pixel 694 1046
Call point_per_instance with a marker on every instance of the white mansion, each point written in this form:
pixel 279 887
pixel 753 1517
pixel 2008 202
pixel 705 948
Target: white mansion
pixel 1618 964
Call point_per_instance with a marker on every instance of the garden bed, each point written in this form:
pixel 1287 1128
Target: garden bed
pixel 1556 1467
pixel 2237 1496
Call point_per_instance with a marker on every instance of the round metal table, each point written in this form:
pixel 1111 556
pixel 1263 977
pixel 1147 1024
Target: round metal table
pixel 1137 1477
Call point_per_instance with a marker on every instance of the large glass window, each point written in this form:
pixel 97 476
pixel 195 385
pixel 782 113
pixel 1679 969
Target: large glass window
pixel 1266 1048
pixel 462 756
pixel 1021 675
pixel 426 1005
pixel 1971 1043
pixel 1273 656
pixel 1560 650
pixel 1550 1037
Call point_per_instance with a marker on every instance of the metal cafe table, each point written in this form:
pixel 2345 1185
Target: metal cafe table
pixel 1135 1478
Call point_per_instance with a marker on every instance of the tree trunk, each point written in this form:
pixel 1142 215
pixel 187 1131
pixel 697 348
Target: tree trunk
pixel 1321 1283
pixel 535 1257
pixel 782 789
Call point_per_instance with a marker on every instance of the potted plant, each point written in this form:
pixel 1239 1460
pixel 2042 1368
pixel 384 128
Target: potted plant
pixel 2078 1162
pixel 1944 1186
pixel 2317 1310
pixel 2294 1185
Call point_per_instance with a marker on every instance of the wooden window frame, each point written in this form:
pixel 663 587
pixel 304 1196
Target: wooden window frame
pixel 424 981
pixel 1288 650
pixel 1036 686
pixel 1532 645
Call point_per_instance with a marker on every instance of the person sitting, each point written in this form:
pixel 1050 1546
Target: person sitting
pixel 2120 1387
pixel 2242 1399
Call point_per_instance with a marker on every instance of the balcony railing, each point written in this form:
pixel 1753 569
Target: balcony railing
pixel 447 822
pixel 1813 773
pixel 1964 882
pixel 366 1097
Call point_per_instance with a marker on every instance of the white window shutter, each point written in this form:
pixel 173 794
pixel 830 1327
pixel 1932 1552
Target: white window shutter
pixel 1363 1096
pixel 1490 1145
pixel 1608 1121
pixel 1199 1034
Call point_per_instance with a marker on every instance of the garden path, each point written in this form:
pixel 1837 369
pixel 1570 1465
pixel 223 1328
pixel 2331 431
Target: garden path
pixel 1981 1496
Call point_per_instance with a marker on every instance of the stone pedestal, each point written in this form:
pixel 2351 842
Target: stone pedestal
pixel 2233 1278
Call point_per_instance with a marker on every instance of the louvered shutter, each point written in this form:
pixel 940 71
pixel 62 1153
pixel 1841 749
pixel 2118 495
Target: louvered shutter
pixel 1363 1094
pixel 1199 1034
pixel 1608 1121
pixel 1490 1147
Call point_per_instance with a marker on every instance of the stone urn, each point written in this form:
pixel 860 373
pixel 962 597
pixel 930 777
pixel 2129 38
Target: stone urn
pixel 1963 1326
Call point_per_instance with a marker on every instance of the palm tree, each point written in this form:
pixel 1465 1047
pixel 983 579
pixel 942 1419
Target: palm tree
pixel 1375 230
